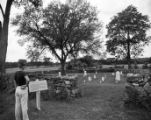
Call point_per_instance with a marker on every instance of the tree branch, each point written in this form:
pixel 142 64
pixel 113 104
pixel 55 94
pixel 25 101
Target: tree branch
pixel 2 10
pixel 43 50
pixel 52 49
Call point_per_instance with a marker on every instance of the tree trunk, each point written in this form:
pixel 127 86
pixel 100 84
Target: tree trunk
pixel 128 53
pixel 3 46
pixel 63 71
pixel 128 56
pixel 1 55
pixel 3 51
pixel 4 38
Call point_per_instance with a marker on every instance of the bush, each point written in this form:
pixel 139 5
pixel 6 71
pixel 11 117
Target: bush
pixel 106 70
pixel 100 66
pixel 145 66
pixel 119 67
pixel 135 65
pixel 137 95
pixel 69 66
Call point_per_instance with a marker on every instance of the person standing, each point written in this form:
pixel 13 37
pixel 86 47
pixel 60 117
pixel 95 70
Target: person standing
pixel 21 94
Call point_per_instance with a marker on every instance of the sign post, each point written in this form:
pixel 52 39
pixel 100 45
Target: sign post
pixel 38 100
pixel 37 86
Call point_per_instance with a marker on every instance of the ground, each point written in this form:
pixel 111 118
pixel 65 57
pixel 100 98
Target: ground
pixel 99 102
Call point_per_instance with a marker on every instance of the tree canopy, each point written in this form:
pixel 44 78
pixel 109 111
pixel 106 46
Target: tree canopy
pixel 64 30
pixel 127 33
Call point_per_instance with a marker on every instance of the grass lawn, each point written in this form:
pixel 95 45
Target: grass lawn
pixel 99 102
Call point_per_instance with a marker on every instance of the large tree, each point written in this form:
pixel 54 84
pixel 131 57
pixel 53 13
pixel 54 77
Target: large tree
pixel 127 33
pixel 4 33
pixel 4 28
pixel 64 30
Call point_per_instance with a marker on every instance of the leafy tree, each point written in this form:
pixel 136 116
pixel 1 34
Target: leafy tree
pixel 127 33
pixel 64 30
pixel 4 27
pixel 22 61
pixel 46 60
pixel 88 60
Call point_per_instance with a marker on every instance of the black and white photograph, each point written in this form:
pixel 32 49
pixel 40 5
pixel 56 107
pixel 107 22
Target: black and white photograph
pixel 75 59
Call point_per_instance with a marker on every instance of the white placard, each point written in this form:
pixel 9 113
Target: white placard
pixel 38 85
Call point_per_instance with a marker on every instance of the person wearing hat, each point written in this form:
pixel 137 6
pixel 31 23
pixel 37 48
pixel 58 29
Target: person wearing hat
pixel 21 81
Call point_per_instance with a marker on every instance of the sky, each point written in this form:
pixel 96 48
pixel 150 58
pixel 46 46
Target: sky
pixel 107 9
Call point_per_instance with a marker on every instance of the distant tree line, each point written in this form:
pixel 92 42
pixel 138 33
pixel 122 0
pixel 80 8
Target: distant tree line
pixel 89 62
pixel 86 61
pixel 83 62
pixel 15 64
pixel 124 61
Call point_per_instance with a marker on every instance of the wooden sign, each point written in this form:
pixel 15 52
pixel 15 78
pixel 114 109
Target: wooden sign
pixel 38 85
pixel 38 100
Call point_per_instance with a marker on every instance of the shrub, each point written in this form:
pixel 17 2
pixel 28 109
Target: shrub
pixel 137 95
pixel 145 66
pixel 135 65
pixel 100 66
pixel 69 66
